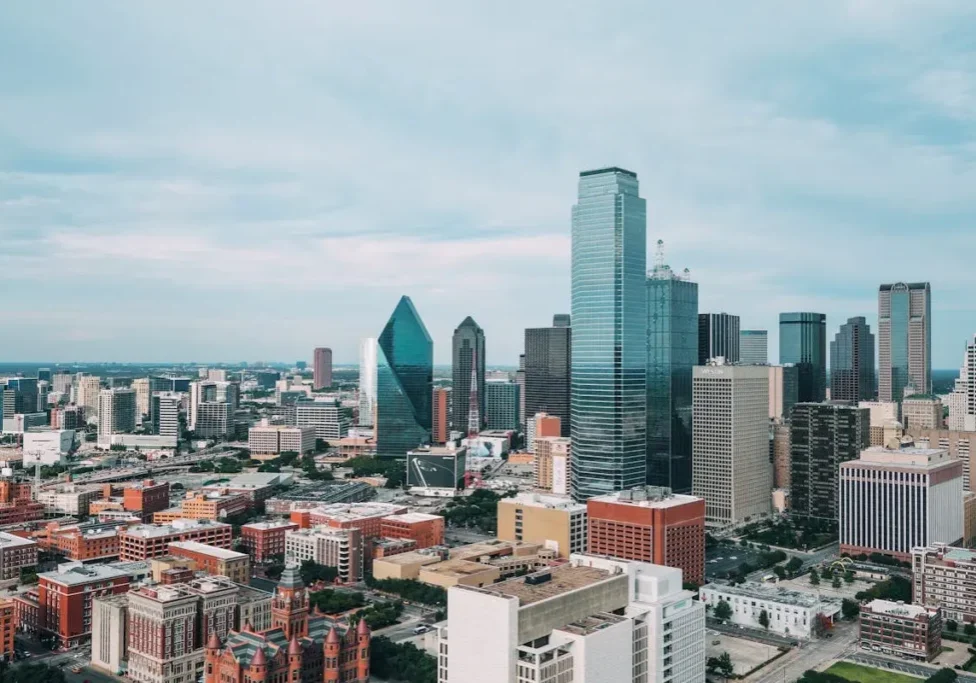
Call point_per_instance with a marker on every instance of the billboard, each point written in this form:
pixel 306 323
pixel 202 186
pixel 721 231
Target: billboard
pixel 560 475
pixel 435 470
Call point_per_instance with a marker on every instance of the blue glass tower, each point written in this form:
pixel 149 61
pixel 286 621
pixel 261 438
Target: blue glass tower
pixel 904 340
pixel 609 342
pixel 803 342
pixel 404 382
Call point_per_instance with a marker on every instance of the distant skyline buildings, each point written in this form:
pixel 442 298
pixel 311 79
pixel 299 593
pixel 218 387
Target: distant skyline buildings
pixel 367 382
pixel 904 339
pixel 548 361
pixel 803 342
pixel 321 368
pixel 467 348
pixel 753 347
pixel 718 337
pixel 852 370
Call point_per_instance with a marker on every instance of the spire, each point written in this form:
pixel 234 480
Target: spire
pixel 259 659
pixel 291 578
pixel 293 647
pixel 333 637
pixel 474 418
pixel 214 642
pixel 363 628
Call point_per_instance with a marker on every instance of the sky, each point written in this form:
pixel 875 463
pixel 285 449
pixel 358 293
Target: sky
pixel 241 181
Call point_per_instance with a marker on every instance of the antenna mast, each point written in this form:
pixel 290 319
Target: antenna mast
pixel 474 418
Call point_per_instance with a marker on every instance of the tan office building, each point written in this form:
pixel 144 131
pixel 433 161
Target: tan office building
pixel 552 464
pixel 556 522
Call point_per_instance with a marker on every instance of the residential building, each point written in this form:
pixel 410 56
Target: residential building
pixel 546 372
pixel 321 369
pixel 589 619
pixel 557 522
pixel 339 548
pixel 944 578
pixel 502 405
pixel 405 366
pixel 894 499
pixel 753 347
pixel 894 628
pixel 718 337
pixel 367 382
pixel 904 339
pixel 16 553
pixel 852 362
pixel 423 529
pixel 217 561
pixel 791 613
pixel 110 619
pixel 64 598
pixel 88 395
pixel 961 445
pixel 468 356
pixel 265 540
pixel 326 417
pixel 164 410
pixel 730 442
pixel 921 411
pixel 268 441
pixel 145 541
pixel 68 417
pixel 162 635
pixel 672 352
pixel 784 391
pixel 49 447
pixel 116 413
pixel 609 340
pixel 141 387
pixel 214 420
pixel 553 464
pixel 650 524
pixel 822 436
pixel 541 425
pixel 440 415
pixel 69 499
pixel 803 343
pixel 884 420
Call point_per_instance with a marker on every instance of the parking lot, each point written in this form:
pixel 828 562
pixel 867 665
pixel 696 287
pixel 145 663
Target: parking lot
pixel 722 559
pixel 746 654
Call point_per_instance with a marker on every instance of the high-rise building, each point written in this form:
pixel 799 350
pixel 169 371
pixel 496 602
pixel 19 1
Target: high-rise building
pixel 520 380
pixel 405 371
pixel 321 368
pixel 852 362
pixel 904 339
pixel 327 417
pixel 468 355
pixel 672 352
pixel 502 405
pixel 116 412
pixel 548 356
pixel 753 347
pixel 822 436
pixel 165 412
pixel 884 421
pixel 730 442
pixel 367 382
pixel 944 578
pixel 609 339
pixel 718 337
pixel 24 398
pixel 784 386
pixel 803 342
pixel 440 415
pixel 553 464
pixel 141 387
pixel 214 420
pixel 921 411
pixel 962 400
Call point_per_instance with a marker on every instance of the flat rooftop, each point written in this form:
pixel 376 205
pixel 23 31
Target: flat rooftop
pixel 592 623
pixel 205 549
pixel 911 456
pixel 412 517
pixel 564 579
pixel 177 526
pixel 12 541
pixel 897 609
pixel 269 526
pixel 549 501
pixel 458 568
pixel 414 557
pixel 73 574
pixel 350 512
pixel 773 593
pixel 495 547
pixel 647 497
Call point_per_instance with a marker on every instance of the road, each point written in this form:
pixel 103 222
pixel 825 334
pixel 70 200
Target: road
pixel 143 470
pixel 903 666
pixel 809 655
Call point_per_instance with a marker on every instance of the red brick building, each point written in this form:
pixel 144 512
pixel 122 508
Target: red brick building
pixel 146 498
pixel 367 517
pixel 145 541
pixel 16 553
pixel 16 505
pixel 425 530
pixel 440 428
pixel 650 524
pixel 216 561
pixel 8 627
pixel 265 539
pixel 82 545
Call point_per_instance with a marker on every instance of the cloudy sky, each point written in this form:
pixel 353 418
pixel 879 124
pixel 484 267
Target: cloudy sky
pixel 246 180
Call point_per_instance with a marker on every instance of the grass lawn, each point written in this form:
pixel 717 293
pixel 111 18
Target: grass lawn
pixel 866 674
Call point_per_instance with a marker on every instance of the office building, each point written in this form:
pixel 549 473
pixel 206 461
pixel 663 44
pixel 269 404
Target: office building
pixel 822 436
pixel 904 339
pixel 730 442
pixel 962 400
pixel 64 598
pixel 791 613
pixel 69 499
pixel 329 420
pixel 553 464
pixel 215 561
pixel 155 612
pixel 784 391
pixel 556 522
pixel 894 628
pixel 960 445
pixel 944 578
pixel 265 540
pixel 146 541
pixel 502 405
pixel 672 352
pixel 20 396
pixel 852 362
pixel 539 426
pixel 164 409
pixel 405 367
pixel 587 620
pixel 267 442
pixel 650 524
pixel 141 387
pixel 468 365
pixel 214 374
pixel 753 347
pixel 68 417
pixel 116 412
pixel 718 337
pixel 212 504
pixel 609 339
pixel 203 396
pixel 267 379
pixel 803 343
pixel 884 421
pixel 367 517
pixel 339 548
pixel 520 380
pixel 61 382
pixel 546 372
pixel 921 411
pixel 780 446
pixel 367 382
pixel 49 447
pixel 440 415
pixel 321 369
pixel 425 531
pixel 214 420
pixel 894 499
pixel 110 619
pixel 88 390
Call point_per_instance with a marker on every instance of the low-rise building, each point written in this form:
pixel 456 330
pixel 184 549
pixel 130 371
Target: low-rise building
pixel 790 613
pixel 265 540
pixel 213 560
pixel 145 497
pixel 355 447
pixel 16 553
pixel 315 495
pixel 146 541
pixel 257 486
pixel 109 622
pixel 268 441
pixel 944 578
pixel 557 522
pixel 155 612
pixel 8 626
pixel 48 447
pixel 367 517
pixel 423 529
pixel 213 505
pixel 894 628
pixel 339 548
pixel 69 499
pixel 87 543
pixel 446 567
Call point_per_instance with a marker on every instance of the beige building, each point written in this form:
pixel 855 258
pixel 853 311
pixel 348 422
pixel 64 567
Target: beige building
pixel 267 441
pixel 339 548
pixel 552 464
pixel 884 421
pixel 960 445
pixel 921 412
pixel 459 573
pixel 969 518
pixel 109 619
pixel 780 446
pixel 507 558
pixel 556 522
pixel 69 499
pixel 141 387
pixel 783 387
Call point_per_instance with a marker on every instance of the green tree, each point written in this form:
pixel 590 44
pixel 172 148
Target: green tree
pixel 34 672
pixel 401 662
pixel 952 625
pixel 943 676
pixel 849 576
pixel 969 630
pixel 721 665
pixel 312 572
pixel 780 572
pixel 850 608
pixel 835 583
pixel 793 566
pixel 723 610
pixel 764 619
pixel 814 578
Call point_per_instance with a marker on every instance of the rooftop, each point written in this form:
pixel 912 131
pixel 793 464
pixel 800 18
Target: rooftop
pixel 76 573
pixel 905 456
pixel 563 579
pixel 647 497
pixel 205 549
pixel 545 500
pixel 898 609
pixel 458 568
pixel 167 593
pixel 268 526
pixel 412 517
pixel 772 593
pixel 348 512
pixel 592 623
pixel 12 541
pixel 177 526
pixel 609 169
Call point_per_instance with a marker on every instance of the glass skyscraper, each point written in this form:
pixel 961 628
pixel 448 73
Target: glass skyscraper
pixel 672 352
pixel 467 345
pixel 753 347
pixel 404 383
pixel 803 342
pixel 718 337
pixel 547 370
pixel 852 362
pixel 609 338
pixel 904 339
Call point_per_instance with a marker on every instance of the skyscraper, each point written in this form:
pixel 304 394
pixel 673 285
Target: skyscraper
pixel 609 339
pixel 718 337
pixel 962 400
pixel 322 369
pixel 116 412
pixel 405 367
pixel 367 382
pixel 520 380
pixel 672 352
pixel 441 415
pixel 502 405
pixel 852 362
pixel 904 339
pixel 803 342
pixel 548 354
pixel 467 348
pixel 753 347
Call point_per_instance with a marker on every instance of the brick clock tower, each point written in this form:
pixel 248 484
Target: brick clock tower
pixel 289 608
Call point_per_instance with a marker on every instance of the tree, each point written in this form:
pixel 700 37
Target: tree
pixel 744 543
pixel 952 625
pixel 401 662
pixel 969 630
pixel 943 676
pixel 321 445
pixel 780 572
pixel 793 566
pixel 723 610
pixel 34 672
pixel 849 576
pixel 721 665
pixel 814 578
pixel 764 619
pixel 835 583
pixel 850 608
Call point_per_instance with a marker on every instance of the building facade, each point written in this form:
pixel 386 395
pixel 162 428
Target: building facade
pixel 784 391
pixel 904 339
pixel 216 561
pixel 162 635
pixel 554 521
pixel 265 540
pixel 546 375
pixel 962 400
pixel 367 382
pixel 852 362
pixel 146 541
pixel 116 412
pixel 803 343
pixel 326 417
pixel 894 628
pixel 718 337
pixel 921 411
pixel 502 405
pixel 468 364
pixel 552 465
pixel 321 368
pixel 440 415
pixel 944 578
pixel 791 613
pixel 753 347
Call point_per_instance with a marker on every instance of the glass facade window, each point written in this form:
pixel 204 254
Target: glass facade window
pixel 803 342
pixel 753 347
pixel 904 340
pixel 718 337
pixel 547 370
pixel 502 405
pixel 609 317
pixel 404 378
pixel 852 362
pixel 467 346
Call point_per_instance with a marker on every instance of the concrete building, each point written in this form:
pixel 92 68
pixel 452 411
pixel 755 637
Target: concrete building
pixel 541 425
pixel 852 362
pixel 110 619
pixel 894 628
pixel 141 387
pixel 441 418
pixel 88 390
pixel 328 419
pixel 321 369
pixel 164 409
pixel 894 499
pixel 650 524
pixel 884 418
pixel 116 412
pixel 592 619
pixel 557 522
pixel 214 420
pixel 49 447
pixel 69 499
pixel 730 442
pixel 162 635
pixel 424 530
pixel 803 343
pixel 553 464
pixel 791 613
pixel 16 553
pixel 784 388
pixel 944 578
pixel 962 400
pixel 753 347
pixel 213 504
pixel 904 339
pixel 921 411
pixel 146 541
pixel 339 548
pixel 436 470
pixel 265 540
pixel 961 445
pixel 502 405
pixel 268 441
pixel 780 446
pixel 367 382
pixel 216 561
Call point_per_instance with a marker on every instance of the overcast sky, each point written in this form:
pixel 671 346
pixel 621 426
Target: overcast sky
pixel 247 180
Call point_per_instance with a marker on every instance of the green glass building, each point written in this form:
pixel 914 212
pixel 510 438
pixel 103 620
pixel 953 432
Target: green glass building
pixel 803 342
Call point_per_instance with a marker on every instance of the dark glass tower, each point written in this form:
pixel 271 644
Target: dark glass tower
pixel 609 342
pixel 852 362
pixel 803 342
pixel 672 352
pixel 467 345
pixel 718 335
pixel 404 379
pixel 904 339
pixel 548 356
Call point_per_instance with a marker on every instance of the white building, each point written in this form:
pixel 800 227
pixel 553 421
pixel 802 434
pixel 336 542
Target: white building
pixel 885 420
pixel 214 420
pixel 270 440
pixel 339 548
pixel 48 447
pixel 116 413
pixel 69 499
pixel 962 400
pixel 590 620
pixel 165 413
pixel 791 613
pixel 87 391
pixel 367 382
pixel 326 417
pixel 730 442
pixel 109 618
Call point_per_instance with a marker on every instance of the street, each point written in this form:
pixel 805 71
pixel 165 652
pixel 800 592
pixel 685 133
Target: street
pixel 810 655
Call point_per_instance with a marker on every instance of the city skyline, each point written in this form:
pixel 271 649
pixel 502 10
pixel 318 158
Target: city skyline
pixel 105 189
